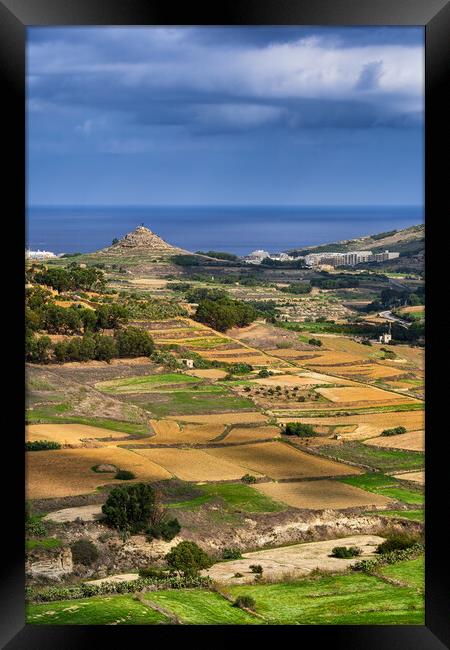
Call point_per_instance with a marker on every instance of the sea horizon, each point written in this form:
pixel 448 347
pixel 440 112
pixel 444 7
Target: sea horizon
pixel 237 229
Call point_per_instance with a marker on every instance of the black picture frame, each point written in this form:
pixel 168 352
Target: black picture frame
pixel 434 15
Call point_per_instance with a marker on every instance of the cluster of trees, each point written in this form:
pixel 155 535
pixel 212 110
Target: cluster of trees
pixel 297 288
pixel 390 298
pixel 223 313
pixel 220 256
pixel 72 278
pixel 136 508
pixel 41 313
pixel 128 342
pixel 335 283
pixel 299 429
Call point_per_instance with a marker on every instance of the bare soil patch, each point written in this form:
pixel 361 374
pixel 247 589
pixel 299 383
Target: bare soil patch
pixel 70 434
pixel 294 560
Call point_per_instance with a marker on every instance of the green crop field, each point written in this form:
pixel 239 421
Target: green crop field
pixel 387 486
pixel 192 402
pixel 385 460
pixel 145 383
pixel 201 607
pixel 100 610
pixel 236 495
pixel 412 515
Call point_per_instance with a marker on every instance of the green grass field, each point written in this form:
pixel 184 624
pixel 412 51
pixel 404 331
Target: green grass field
pixel 341 599
pixel 386 486
pixel 100 610
pixel 410 572
pixel 412 515
pixel 350 599
pixel 385 460
pixel 48 542
pixel 201 607
pixel 237 496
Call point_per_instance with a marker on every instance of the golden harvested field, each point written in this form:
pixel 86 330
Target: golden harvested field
pixel 290 353
pixel 362 394
pixel 416 477
pixel 247 434
pixel 222 418
pixel 367 425
pixel 70 434
pixel 194 464
pixel 344 344
pixel 278 460
pixel 170 432
pixel 411 441
pixel 368 370
pixel 336 357
pixel 208 373
pixel 290 380
pixel 416 309
pixel 67 472
pixel 315 495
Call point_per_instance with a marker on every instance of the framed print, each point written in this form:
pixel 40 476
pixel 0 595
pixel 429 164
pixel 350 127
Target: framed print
pixel 226 394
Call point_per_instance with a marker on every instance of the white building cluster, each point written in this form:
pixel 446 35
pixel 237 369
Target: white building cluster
pixel 259 255
pixel 39 255
pixel 348 259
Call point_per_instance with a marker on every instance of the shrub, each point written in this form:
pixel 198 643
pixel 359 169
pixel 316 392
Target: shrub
pixel 256 568
pixel 84 552
pixel 129 507
pixel 299 429
pixel 153 572
pixel 187 558
pixel 245 602
pixel 41 445
pixel 345 551
pixel 397 541
pixel 34 527
pixel 231 554
pixel 124 475
pixel 248 478
pixel 238 575
pixel 395 431
pixel 316 342
pixel 134 342
pixel 263 373
pixel 165 530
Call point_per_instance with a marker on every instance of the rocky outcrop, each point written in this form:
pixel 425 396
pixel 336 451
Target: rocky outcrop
pixel 143 238
pixel 52 567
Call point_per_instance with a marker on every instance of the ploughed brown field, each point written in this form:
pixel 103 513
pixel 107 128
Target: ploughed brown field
pixel 349 394
pixel 315 495
pixel 280 461
pixel 67 472
pixel 410 441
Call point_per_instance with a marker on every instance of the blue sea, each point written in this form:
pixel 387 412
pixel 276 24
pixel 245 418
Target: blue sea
pixel 237 229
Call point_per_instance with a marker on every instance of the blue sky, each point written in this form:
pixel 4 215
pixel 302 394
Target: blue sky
pixel 225 116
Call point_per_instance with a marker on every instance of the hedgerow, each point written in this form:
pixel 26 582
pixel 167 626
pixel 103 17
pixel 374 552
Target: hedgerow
pixel 389 558
pixel 86 590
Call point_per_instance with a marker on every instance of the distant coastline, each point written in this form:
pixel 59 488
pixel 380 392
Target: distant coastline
pixel 234 229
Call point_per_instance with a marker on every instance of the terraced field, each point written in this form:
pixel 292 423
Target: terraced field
pixel 280 461
pixel 319 495
pixel 68 472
